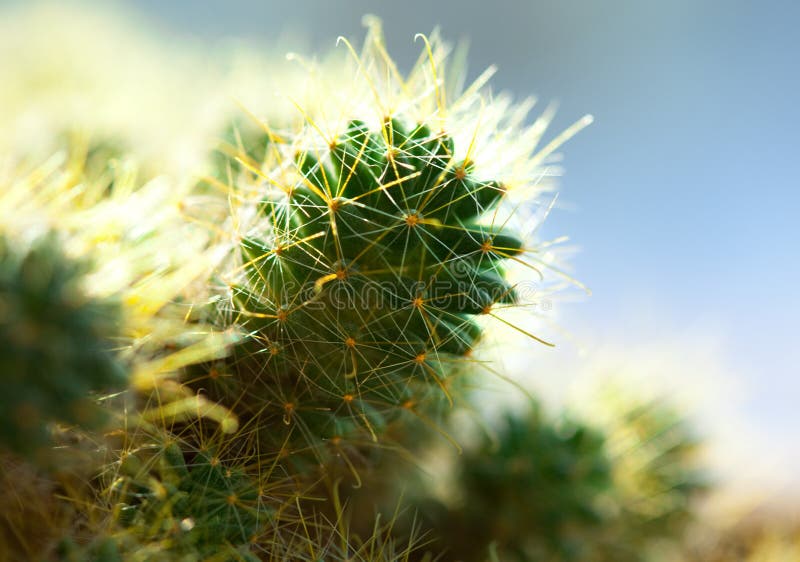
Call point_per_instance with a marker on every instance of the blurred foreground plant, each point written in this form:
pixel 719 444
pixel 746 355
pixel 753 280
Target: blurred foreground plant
pixel 55 345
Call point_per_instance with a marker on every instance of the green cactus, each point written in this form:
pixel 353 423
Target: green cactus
pixel 361 281
pixel 170 502
pixel 163 499
pixel 531 493
pixel 563 490
pixel 56 345
pixel 195 508
pixel 362 260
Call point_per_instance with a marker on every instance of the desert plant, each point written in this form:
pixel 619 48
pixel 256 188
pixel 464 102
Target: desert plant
pixel 88 287
pixel 56 345
pixel 364 249
pixel 547 488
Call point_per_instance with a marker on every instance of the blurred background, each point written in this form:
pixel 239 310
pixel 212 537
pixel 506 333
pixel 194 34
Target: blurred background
pixel 682 197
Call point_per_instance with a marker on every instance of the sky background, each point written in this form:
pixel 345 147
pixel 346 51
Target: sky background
pixel 683 196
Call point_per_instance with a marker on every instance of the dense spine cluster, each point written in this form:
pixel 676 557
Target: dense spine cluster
pixel 360 282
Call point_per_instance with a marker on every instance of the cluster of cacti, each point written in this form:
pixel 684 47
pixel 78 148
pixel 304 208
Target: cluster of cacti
pixel 298 321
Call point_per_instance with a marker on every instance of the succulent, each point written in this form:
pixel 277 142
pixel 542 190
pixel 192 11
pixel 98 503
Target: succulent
pixel 195 508
pixel 363 255
pixel 56 345
pixel 90 291
pixel 362 285
pixel 169 500
pixel 564 490
pixel 537 491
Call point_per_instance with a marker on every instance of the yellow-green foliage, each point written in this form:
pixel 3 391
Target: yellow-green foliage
pixel 95 294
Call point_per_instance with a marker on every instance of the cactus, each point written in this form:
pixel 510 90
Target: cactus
pixel 167 506
pixel 56 345
pixel 356 299
pixel 363 253
pixel 169 500
pixel 565 471
pixel 564 490
pixel 657 475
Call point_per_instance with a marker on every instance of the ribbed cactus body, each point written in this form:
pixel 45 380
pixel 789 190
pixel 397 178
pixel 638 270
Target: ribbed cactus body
pixel 55 345
pixel 361 282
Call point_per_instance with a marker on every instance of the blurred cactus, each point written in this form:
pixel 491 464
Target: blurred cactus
pixel 34 515
pixel 545 485
pixel 86 311
pixel 657 474
pixel 55 345
pixel 561 490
